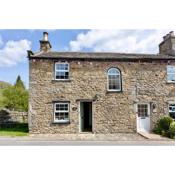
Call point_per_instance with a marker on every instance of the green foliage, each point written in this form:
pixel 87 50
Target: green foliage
pixel 163 126
pixel 1 99
pixel 3 85
pixel 19 83
pixel 164 123
pixel 157 130
pixel 17 129
pixel 172 130
pixel 16 97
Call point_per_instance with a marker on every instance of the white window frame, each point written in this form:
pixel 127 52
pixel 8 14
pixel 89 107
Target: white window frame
pixel 170 104
pixel 120 80
pixel 61 71
pixel 61 111
pixel 170 81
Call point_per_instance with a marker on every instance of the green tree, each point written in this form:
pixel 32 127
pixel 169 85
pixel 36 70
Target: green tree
pixel 16 97
pixel 19 83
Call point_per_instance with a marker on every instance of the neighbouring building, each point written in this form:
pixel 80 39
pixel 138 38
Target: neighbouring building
pixel 77 92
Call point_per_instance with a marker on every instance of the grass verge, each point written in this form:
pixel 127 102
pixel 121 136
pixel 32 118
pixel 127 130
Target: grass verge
pixel 13 130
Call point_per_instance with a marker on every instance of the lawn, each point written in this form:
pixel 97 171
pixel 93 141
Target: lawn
pixel 19 129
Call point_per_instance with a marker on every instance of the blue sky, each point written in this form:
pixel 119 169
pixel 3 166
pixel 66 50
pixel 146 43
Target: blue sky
pixel 59 40
pixel 15 43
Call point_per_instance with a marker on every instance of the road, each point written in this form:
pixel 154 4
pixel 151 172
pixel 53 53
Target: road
pixel 37 142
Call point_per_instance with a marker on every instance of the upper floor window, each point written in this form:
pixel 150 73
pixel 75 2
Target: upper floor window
pixel 61 71
pixel 114 79
pixel 171 74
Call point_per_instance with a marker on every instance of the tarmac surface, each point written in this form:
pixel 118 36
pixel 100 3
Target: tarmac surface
pixel 87 140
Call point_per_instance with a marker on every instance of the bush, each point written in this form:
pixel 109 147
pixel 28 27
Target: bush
pixel 15 99
pixel 157 130
pixel 164 123
pixel 163 126
pixel 172 130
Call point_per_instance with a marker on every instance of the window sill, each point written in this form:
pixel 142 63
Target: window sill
pixel 61 122
pixel 108 92
pixel 170 82
pixel 55 80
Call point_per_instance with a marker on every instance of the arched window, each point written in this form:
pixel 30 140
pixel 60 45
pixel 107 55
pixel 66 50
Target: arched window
pixel 114 79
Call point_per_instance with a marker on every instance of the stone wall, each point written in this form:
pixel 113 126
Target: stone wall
pixel 7 116
pixel 113 112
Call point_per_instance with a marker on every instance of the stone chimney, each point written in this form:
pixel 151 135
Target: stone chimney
pixel 167 46
pixel 45 44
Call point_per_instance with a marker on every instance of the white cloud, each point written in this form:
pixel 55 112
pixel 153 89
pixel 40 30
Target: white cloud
pixel 136 41
pixel 14 52
pixel 1 42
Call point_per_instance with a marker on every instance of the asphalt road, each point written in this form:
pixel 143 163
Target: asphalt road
pixel 16 142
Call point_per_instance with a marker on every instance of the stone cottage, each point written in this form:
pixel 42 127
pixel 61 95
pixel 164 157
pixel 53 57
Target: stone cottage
pixel 77 92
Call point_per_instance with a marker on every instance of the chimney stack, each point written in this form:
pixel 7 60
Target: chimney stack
pixel 45 45
pixel 167 46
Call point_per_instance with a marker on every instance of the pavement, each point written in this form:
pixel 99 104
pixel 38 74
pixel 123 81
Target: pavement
pixel 87 140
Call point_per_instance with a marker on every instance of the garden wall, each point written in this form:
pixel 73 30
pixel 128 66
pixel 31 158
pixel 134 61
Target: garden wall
pixel 7 116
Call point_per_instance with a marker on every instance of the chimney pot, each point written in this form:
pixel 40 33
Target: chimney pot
pixel 45 36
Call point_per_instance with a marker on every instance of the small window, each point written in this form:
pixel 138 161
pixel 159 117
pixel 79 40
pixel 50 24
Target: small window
pixel 142 110
pixel 61 71
pixel 171 74
pixel 114 79
pixel 172 110
pixel 61 112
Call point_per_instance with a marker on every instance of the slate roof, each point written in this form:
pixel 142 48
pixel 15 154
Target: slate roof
pixel 98 55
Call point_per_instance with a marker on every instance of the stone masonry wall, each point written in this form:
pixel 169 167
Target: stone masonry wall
pixel 7 116
pixel 113 112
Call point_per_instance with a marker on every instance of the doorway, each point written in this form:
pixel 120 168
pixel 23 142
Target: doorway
pixel 86 116
pixel 143 117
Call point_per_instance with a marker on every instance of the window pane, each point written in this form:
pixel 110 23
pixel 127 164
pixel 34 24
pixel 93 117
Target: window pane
pixel 66 75
pixel 170 73
pixel 171 77
pixel 114 82
pixel 171 69
pixel 61 116
pixel 142 110
pixel 66 115
pixel 61 66
pixel 113 71
pixel 62 107
pixel 62 75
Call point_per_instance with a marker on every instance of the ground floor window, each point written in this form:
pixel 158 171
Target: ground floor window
pixel 172 110
pixel 61 112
